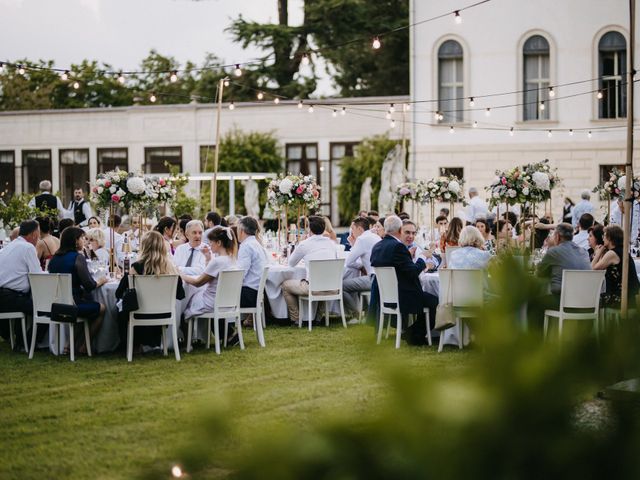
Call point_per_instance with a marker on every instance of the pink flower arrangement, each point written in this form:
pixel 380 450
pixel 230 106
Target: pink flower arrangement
pixel 115 198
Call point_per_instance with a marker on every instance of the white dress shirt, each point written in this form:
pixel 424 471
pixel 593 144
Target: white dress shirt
pixel 477 209
pixel 616 218
pixel 86 210
pixel 181 257
pixel 17 260
pixel 107 239
pixel 252 258
pixel 316 247
pixel 582 239
pixel 360 254
pixel 62 213
pixel 583 206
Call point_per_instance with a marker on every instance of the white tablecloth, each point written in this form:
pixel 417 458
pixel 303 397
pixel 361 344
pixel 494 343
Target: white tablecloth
pixel 273 288
pixel 431 284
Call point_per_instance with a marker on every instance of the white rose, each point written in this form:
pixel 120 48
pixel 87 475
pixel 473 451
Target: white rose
pixel 622 182
pixel 285 186
pixel 525 191
pixel 100 190
pixel 454 186
pixel 121 193
pixel 136 185
pixel 271 194
pixel 447 195
pixel 512 193
pixel 541 180
pixel 113 189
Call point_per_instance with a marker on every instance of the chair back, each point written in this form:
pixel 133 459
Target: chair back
pixel 466 287
pixel 49 288
pixel 325 275
pixel 263 283
pixel 228 289
pixel 156 293
pixel 581 288
pixel 448 252
pixel 387 284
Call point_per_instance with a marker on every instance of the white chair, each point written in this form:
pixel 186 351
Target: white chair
pixel 325 284
pixel 447 254
pixel 361 297
pixel 257 312
pixel 388 290
pixel 11 316
pixel 45 290
pixel 466 296
pixel 580 289
pixel 157 307
pixel 226 306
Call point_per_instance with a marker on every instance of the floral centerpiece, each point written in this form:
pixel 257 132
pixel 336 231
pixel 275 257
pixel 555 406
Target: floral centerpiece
pixel 528 184
pixel 110 188
pixel 622 184
pixel 293 190
pixel 452 189
pixel 410 191
pixel 610 189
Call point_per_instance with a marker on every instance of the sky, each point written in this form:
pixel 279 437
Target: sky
pixel 122 32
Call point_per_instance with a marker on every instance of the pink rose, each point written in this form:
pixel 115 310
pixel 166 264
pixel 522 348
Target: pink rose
pixel 616 191
pixel 115 198
pixel 299 190
pixel 95 189
pixel 504 180
pixel 162 182
pixel 316 194
pixel 107 184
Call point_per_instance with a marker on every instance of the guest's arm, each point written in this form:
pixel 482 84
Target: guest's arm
pixel 86 280
pixel 606 259
pixel 298 254
pixel 198 281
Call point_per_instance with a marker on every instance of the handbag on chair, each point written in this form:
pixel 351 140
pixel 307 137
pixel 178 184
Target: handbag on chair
pixel 130 298
pixel 445 314
pixel 63 312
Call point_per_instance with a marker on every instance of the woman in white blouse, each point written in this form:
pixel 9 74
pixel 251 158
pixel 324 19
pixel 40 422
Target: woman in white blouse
pixel 471 253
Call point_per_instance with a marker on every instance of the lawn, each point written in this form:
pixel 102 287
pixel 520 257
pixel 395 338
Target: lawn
pixel 104 418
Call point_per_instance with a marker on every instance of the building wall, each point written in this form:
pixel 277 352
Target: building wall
pixel 492 36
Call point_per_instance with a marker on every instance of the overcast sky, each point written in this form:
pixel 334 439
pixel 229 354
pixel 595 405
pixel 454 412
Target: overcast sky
pixel 121 32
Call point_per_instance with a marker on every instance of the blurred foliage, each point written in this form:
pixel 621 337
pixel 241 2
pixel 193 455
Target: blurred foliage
pixel 518 412
pixel 241 152
pixel 366 163
pixel 183 204
pixel 16 210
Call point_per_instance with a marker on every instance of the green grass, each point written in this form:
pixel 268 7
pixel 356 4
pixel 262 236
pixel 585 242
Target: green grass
pixel 104 418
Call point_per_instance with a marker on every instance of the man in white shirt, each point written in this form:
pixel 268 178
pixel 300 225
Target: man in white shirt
pixel 45 199
pixel 583 206
pixel 192 257
pixel 316 247
pixel 477 207
pixel 582 237
pixel 357 266
pixel 252 258
pixel 408 236
pixel 18 259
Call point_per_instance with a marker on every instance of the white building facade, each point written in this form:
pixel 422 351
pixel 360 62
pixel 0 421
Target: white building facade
pixel 537 66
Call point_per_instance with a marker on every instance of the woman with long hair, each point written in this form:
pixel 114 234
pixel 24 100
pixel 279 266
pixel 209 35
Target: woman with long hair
pixel 166 227
pixel 48 244
pixel 94 222
pixel 68 259
pixel 96 250
pixel 450 238
pixel 152 260
pixel 222 241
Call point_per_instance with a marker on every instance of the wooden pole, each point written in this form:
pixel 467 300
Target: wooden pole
pixel 624 303
pixel 216 153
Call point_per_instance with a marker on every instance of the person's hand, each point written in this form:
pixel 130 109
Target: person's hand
pixel 412 251
pixel 102 281
pixel 351 239
pixel 427 253
pixel 206 251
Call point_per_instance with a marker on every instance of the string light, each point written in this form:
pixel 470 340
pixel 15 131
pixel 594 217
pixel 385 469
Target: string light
pixel 392 108
pixel 276 100
pixel 21 70
pixel 343 111
pixel 2 66
pixel 300 104
pixel 589 134
pixel 552 92
pixel 176 471
pixel 334 114
pixel 310 109
pixel 511 131
pixel 65 75
pixel 76 85
pixel 487 112
pixel 599 95
pixel 457 17
pixel 571 132
pixel 388 115
pixel 451 129
pixel 471 102
pixel 393 124
pixel 475 124
pixel 226 82
pixel 238 71
pixel 542 106
pixel 436 115
pixel 174 76
pixel 441 116
pixel 549 133
pixel 232 106
pixel 152 98
pixel 376 43
pixel 121 78
pixel 260 95
pixel 407 107
pixel 305 59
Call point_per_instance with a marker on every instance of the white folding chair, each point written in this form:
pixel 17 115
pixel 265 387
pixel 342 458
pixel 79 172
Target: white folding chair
pixel 11 316
pixel 258 314
pixel 580 289
pixel 325 284
pixel 226 306
pixel 361 297
pixel 466 296
pixel 157 307
pixel 45 290
pixel 388 290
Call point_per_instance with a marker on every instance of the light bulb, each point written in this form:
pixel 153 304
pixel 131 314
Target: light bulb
pixel 552 92
pixel 226 82
pixel 393 124
pixel 542 106
pixel 441 117
pixel 388 116
pixel 300 104
pixel 310 109
pixel 392 108
pixel 376 43
pixel 589 134
pixel 238 71
pixel 511 131
pixel 451 129
pixel 457 17
pixel 121 79
pixel 76 85
pixel 260 95
pixel 276 100
pixel 174 76
pixel 471 102
pixel 407 107
pixel 176 471
pixel 334 114
pixel 571 132
pixel 487 112
pixel 305 59
pixel 549 133
pixel 21 70
pixel 231 106
pixel 436 115
pixel 600 95
pixel 343 111
pixel 65 75
pixel 475 124
pixel 152 98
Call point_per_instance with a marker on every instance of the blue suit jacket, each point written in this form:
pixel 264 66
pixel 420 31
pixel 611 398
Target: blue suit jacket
pixel 389 252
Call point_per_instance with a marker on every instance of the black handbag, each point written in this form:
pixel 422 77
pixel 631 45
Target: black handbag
pixel 130 297
pixel 63 312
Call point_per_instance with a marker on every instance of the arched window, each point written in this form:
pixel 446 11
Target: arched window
pixel 450 82
pixel 612 68
pixel 536 78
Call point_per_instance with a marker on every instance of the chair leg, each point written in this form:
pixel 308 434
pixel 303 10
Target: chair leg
pixel 12 333
pixel 441 342
pixel 239 331
pixel 398 329
pixel 33 339
pixel 264 316
pixel 216 329
pixel 326 313
pixel 344 320
pixel 299 312
pixel 254 318
pixel 380 326
pixel 24 334
pixel 130 342
pixel 226 332
pixel 176 348
pixel 72 343
pixel 460 332
pixel 429 340
pixel 545 327
pixel 165 346
pixel 190 334
pixel 388 327
pixel 257 322
pixel 309 313
pixel 209 333
pixel 87 337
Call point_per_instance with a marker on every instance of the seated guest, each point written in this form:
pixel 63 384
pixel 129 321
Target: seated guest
pixel 316 247
pixel 444 212
pixel 180 237
pixel 483 227
pixel 96 239
pixel 252 258
pixel 408 236
pixel 213 219
pixel 502 231
pixel 94 222
pixel 403 216
pixel 64 223
pixel 192 257
pixel 373 214
pixel 442 224
pixel 48 244
pixel 596 238
pixel 329 232
pixel 471 253
pixel 391 252
pixel 582 237
pixel 223 243
pixel 166 227
pixel 378 227
pixel 609 257
pixel 450 238
pixel 362 240
pixel 68 259
pixel 562 255
pixel 116 220
pixel 153 259
pixel 17 259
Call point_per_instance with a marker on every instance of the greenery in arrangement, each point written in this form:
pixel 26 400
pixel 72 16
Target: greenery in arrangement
pixel 367 162
pixel 16 209
pixel 241 152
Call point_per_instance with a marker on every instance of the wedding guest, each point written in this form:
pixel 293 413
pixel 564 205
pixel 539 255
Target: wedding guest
pixel 502 231
pixel 79 208
pixel 477 207
pixel 444 212
pixel 48 244
pixel 96 239
pixel 483 227
pixel 213 219
pixel 362 213
pixel 442 224
pixel 64 223
pixel 192 257
pixel 373 214
pixel 596 238
pixel 224 244
pixel 45 199
pixel 329 231
pixel 166 227
pixel 232 220
pixel 316 247
pixel 153 259
pixel 180 237
pixel 117 237
pixel 252 258
pixel 378 227
pixel 403 216
pixel 617 216
pixel 94 222
pixel 408 237
pixel 450 238
pixel 583 206
pixel 609 257
pixel 68 259
pixel 582 237
pixel 567 210
pixel 471 253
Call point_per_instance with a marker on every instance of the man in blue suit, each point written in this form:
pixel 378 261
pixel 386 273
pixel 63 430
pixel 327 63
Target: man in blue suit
pixel 391 252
